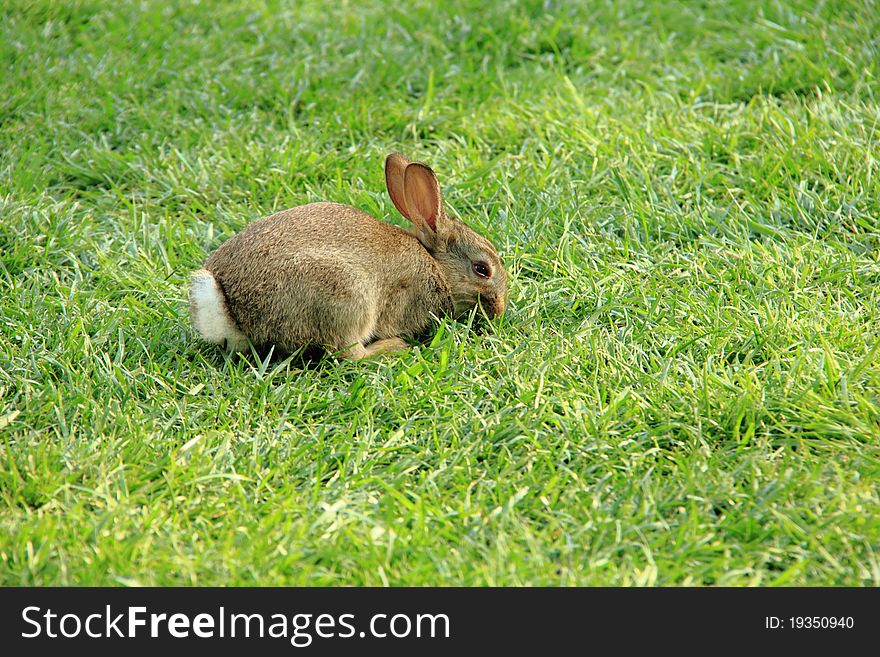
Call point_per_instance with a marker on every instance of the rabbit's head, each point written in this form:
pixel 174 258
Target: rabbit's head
pixel 468 260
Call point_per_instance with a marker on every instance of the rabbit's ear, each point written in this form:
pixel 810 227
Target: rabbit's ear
pixel 395 165
pixel 422 193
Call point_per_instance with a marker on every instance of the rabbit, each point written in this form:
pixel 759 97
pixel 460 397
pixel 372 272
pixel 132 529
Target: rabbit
pixel 329 274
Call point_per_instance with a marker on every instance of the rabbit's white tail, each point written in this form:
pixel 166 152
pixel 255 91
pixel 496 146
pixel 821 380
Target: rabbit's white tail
pixel 209 314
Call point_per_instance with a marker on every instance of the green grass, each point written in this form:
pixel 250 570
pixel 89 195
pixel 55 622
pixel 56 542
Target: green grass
pixel 685 389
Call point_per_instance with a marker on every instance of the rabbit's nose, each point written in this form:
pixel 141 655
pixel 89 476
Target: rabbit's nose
pixel 499 306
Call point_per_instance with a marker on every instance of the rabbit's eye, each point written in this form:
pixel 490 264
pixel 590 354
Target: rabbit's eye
pixel 482 270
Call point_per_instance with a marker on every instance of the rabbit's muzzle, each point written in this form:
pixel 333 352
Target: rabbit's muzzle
pixel 495 307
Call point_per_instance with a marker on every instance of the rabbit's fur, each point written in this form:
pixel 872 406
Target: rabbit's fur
pixel 329 274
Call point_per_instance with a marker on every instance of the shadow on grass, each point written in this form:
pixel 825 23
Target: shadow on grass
pixel 311 357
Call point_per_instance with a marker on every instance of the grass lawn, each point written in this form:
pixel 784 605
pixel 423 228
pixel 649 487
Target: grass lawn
pixel 685 388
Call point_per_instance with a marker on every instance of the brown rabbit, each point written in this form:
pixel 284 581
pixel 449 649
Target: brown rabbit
pixel 329 274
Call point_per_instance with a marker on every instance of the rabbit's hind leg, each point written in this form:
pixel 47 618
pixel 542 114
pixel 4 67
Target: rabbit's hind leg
pixel 357 351
pixel 327 301
pixel 385 346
